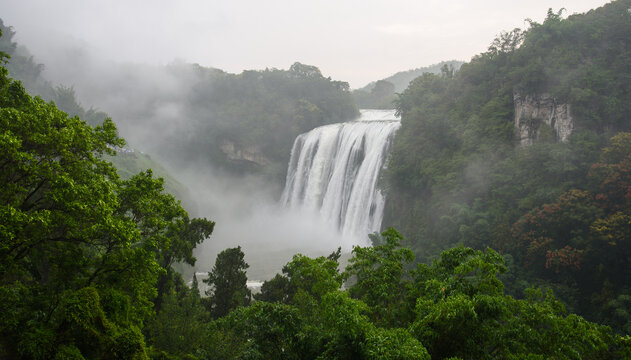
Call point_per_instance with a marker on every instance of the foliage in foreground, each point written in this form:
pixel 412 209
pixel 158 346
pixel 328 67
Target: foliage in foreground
pixel 454 308
pixel 86 273
pixel 85 257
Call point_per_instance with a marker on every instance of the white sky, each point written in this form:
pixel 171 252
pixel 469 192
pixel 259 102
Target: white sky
pixel 351 40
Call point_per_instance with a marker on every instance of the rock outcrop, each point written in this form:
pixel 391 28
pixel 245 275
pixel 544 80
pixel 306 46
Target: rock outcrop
pixel 532 111
pixel 234 152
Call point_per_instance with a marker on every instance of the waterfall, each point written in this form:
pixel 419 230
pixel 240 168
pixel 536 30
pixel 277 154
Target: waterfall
pixel 333 170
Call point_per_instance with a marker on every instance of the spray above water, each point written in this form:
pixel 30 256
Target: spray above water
pixel 330 199
pixel 333 171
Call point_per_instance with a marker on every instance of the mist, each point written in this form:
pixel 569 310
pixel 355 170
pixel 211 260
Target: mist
pixel 124 91
pixel 147 93
pixel 248 214
pixel 356 41
pixel 149 104
pixel 245 207
pixel 158 109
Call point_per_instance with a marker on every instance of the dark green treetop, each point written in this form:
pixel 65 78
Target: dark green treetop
pixel 228 283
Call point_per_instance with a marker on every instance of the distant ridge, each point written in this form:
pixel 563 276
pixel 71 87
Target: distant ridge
pixel 381 94
pixel 401 79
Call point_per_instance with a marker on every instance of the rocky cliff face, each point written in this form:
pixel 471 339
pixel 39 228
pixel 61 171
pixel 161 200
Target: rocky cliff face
pixel 234 152
pixel 532 111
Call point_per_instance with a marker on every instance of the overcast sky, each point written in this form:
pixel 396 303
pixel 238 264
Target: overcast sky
pixel 352 40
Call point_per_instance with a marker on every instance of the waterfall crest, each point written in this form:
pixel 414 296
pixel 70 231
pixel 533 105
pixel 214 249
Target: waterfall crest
pixel 334 169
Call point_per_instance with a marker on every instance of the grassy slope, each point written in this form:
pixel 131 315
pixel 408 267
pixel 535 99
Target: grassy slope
pixel 129 164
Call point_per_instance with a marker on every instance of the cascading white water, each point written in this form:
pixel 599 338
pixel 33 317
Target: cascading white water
pixel 334 169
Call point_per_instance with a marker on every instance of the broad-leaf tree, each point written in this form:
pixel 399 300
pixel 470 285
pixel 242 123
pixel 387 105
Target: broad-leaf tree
pixel 81 251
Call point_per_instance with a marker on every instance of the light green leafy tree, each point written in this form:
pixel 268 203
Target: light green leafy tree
pixel 380 279
pixel 81 251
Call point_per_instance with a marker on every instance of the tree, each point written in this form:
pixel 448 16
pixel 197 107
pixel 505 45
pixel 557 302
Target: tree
pixel 81 251
pixel 552 238
pixel 462 311
pixel 61 238
pixel 382 89
pixel 304 71
pixel 228 283
pixel 380 278
pixel 265 331
pixel 180 327
pixel 275 290
pixel 167 230
pixel 313 278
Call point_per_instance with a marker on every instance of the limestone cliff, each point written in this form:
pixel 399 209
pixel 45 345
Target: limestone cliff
pixel 251 154
pixel 532 111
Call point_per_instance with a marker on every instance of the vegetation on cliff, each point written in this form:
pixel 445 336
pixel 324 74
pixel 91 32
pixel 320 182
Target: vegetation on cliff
pixel 248 122
pixel 87 255
pixel 456 175
pixel 86 272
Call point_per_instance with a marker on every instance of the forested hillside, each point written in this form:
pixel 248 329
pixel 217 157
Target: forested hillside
pixel 86 273
pixel 510 180
pixel 187 114
pixel 474 163
pixel 248 122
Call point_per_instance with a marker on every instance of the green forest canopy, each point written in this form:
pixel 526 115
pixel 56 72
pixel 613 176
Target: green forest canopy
pixel 86 267
pixel 86 272
pixel 554 209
